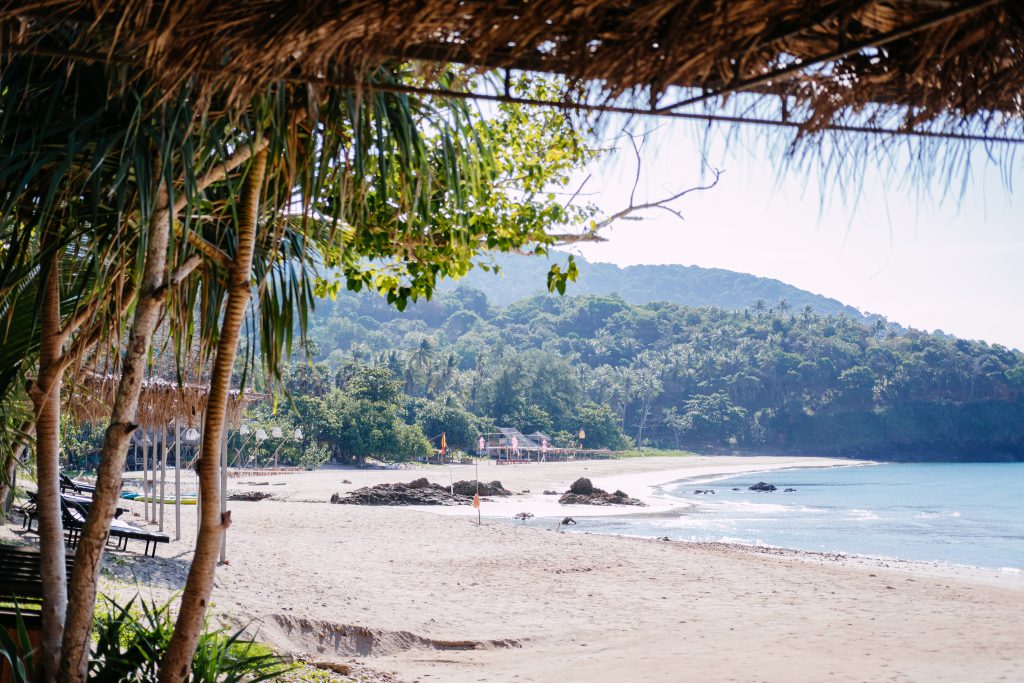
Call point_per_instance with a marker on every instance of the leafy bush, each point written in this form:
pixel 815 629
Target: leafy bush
pixel 130 639
pixel 17 653
pixel 314 455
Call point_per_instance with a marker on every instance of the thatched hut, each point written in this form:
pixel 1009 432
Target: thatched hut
pixel 160 402
pixel 930 67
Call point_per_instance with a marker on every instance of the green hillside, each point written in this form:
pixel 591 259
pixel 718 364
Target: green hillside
pixel 765 378
pixel 524 276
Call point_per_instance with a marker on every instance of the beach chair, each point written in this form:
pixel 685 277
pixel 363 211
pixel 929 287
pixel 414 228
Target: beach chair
pixel 67 483
pixel 75 515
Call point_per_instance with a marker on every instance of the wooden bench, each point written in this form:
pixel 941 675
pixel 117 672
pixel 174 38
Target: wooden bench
pixel 22 584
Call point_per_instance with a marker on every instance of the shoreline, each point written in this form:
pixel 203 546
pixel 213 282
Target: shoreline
pixel 642 485
pixel 403 596
pixel 659 503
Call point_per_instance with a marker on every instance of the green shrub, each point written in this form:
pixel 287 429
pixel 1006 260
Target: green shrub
pixel 130 639
pixel 16 653
pixel 315 455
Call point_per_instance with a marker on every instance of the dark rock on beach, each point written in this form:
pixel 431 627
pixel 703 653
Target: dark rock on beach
pixel 762 486
pixel 583 492
pixel 249 496
pixel 790 491
pixel 582 486
pixel 468 488
pixel 705 491
pixel 548 492
pixel 417 492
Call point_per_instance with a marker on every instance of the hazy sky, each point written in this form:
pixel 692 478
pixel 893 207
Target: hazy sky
pixel 910 252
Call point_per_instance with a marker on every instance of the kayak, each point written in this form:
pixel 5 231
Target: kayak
pixel 185 500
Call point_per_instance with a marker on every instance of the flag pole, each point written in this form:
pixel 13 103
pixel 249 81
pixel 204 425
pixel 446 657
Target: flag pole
pixel 477 493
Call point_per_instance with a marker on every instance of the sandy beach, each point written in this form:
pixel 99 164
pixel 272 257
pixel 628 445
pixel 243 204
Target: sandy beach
pixel 407 594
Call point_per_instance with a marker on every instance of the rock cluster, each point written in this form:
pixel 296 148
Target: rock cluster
pixel 250 496
pixel 468 488
pixel 583 492
pixel 762 486
pixel 416 492
pixel 707 491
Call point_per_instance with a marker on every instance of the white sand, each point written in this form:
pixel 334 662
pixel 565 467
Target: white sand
pixel 396 590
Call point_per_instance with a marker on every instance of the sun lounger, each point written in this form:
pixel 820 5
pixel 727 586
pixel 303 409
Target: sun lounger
pixel 74 521
pixel 67 483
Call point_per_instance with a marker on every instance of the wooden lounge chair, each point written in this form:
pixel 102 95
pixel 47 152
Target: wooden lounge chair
pixel 74 521
pixel 67 483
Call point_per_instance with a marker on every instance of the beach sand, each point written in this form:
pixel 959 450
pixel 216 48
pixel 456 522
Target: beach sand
pixel 411 595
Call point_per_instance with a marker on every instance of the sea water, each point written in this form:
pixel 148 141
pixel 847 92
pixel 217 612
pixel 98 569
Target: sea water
pixel 969 514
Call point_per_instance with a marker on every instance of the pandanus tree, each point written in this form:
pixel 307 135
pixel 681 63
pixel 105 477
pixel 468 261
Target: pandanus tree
pixel 119 200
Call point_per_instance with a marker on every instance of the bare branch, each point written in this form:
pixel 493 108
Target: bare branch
pixel 628 213
pixel 569 238
pixel 576 193
pixel 636 178
pixel 659 203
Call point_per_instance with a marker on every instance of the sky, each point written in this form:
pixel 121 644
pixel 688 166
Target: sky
pixel 921 253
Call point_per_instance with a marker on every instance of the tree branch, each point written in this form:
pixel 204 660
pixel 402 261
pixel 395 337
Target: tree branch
pixel 207 249
pixel 593 233
pixel 218 173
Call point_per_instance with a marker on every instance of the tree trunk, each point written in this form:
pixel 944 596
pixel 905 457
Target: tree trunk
pixel 7 484
pixel 10 466
pixel 75 655
pixel 46 400
pixel 196 596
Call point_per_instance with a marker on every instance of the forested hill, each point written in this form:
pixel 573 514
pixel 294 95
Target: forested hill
pixel 775 379
pixel 524 276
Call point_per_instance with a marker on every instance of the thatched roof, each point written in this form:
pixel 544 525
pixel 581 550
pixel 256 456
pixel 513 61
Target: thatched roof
pixel 160 401
pixel 934 62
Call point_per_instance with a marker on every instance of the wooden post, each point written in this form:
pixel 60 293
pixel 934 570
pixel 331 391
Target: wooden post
pixel 199 489
pixel 152 476
pixel 177 480
pixel 163 472
pixel 145 474
pixel 224 491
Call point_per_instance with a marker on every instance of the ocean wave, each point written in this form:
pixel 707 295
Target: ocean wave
pixel 857 513
pixel 937 515
pixel 745 506
pixel 709 523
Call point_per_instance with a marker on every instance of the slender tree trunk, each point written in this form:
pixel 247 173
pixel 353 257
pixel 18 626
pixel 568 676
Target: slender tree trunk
pixel 194 600
pixel 7 484
pixel 75 655
pixel 46 399
pixel 9 468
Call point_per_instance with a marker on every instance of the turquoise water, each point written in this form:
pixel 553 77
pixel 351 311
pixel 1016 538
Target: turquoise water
pixel 970 514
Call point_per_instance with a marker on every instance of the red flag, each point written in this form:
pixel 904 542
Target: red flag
pixel 444 443
pixel 476 501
